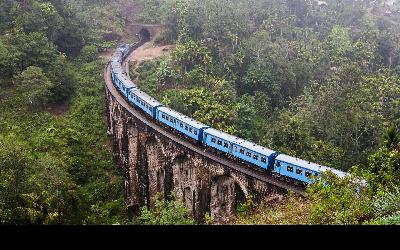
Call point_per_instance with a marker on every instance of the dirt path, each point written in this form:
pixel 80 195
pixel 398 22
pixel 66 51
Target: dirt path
pixel 147 51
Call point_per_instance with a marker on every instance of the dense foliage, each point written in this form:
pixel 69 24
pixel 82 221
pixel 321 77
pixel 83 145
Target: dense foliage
pixel 166 212
pixel 344 201
pixel 56 165
pixel 319 80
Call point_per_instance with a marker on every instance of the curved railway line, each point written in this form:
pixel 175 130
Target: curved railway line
pixel 262 176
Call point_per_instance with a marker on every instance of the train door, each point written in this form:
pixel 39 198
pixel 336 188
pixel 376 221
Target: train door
pixel 277 167
pixel 231 148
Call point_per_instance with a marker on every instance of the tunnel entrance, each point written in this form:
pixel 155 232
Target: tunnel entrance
pixel 145 35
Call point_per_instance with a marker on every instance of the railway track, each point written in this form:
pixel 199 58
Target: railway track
pixel 200 150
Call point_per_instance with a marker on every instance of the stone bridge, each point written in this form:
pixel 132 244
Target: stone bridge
pixel 157 160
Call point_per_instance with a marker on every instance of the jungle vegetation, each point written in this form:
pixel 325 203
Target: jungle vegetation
pixel 319 80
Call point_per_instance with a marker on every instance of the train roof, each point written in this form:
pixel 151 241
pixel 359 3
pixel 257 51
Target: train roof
pixel 150 100
pixel 116 65
pixel 127 82
pixel 220 134
pixel 299 162
pixel 309 165
pixel 254 147
pixel 183 118
pixel 117 56
pixel 335 171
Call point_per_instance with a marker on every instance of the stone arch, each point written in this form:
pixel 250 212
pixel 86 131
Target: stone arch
pixel 240 195
pixel 241 185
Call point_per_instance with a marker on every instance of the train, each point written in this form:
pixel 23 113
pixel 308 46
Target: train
pixel 279 164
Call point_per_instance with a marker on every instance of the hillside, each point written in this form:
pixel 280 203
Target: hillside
pixel 319 80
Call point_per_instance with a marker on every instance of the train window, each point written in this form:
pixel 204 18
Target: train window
pixel 289 168
pixel 263 159
pixel 255 157
pixel 190 130
pixel 241 151
pixel 163 116
pixel 181 125
pixel 248 154
pixel 225 145
pixel 213 140
pixel 299 171
pixel 195 132
pixel 308 174
pixel 278 164
pixel 219 142
pixel 186 127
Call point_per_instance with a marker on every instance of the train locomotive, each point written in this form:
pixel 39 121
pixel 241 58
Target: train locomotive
pixel 278 164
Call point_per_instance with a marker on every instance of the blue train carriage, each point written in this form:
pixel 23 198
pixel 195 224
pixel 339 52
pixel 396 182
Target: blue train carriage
pixel 219 140
pixel 339 173
pixel 115 72
pixel 127 85
pixel 295 168
pixel 125 49
pixel 180 122
pixel 123 83
pixel 253 153
pixel 117 56
pixel 145 102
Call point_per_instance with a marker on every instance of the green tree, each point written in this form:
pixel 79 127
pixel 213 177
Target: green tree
pixel 43 17
pixel 192 53
pixel 14 166
pixel 166 212
pixel 88 54
pixel 34 48
pixel 35 85
pixel 391 138
pixel 338 200
pixel 9 59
